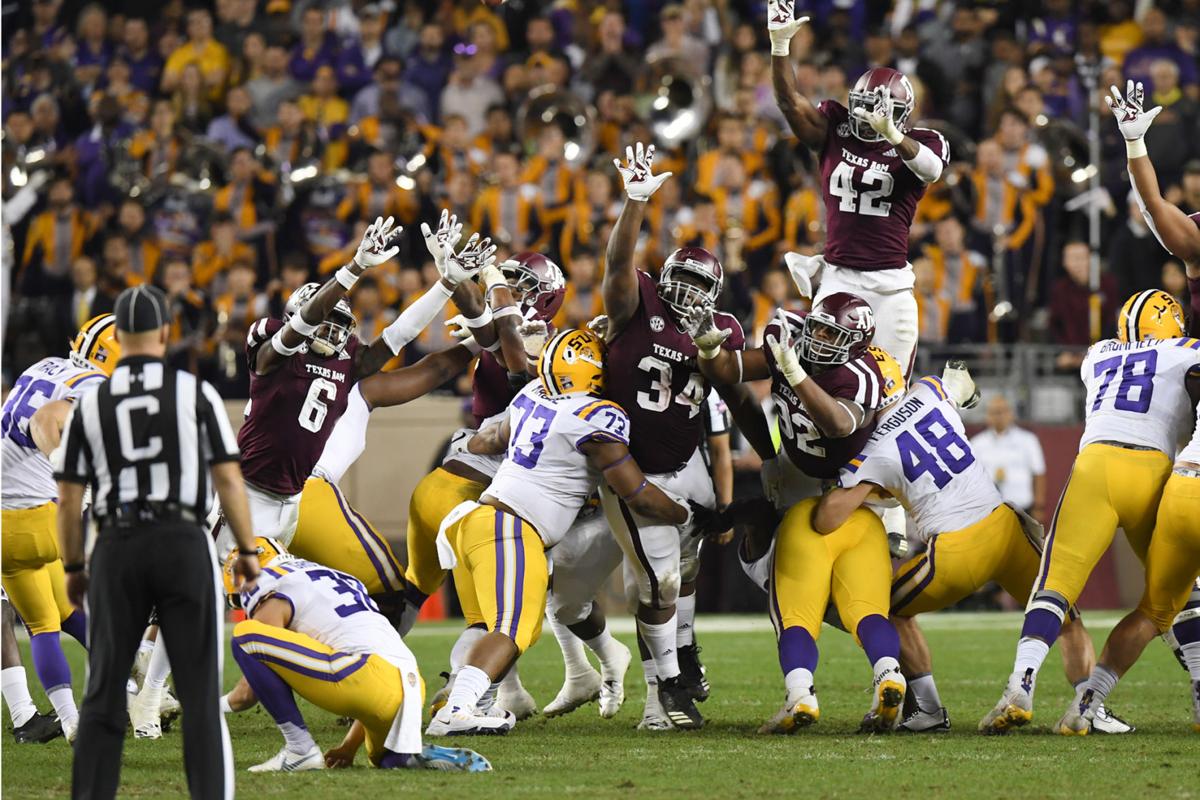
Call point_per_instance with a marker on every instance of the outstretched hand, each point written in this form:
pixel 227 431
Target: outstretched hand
pixel 1132 119
pixel 640 182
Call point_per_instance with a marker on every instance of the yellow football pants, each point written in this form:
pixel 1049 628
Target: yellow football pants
pixel 363 687
pixel 851 564
pixel 32 572
pixel 958 563
pixel 504 574
pixel 1109 488
pixel 435 496
pixel 331 532
pixel 1173 561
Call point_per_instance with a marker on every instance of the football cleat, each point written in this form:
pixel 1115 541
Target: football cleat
pixel 612 686
pixel 441 695
pixel 450 759
pixel 141 663
pixel 38 729
pixel 1014 709
pixel 888 700
pixel 144 713
pixel 1106 721
pixel 653 716
pixel 460 722
pixel 575 692
pixel 800 711
pixel 169 708
pixel 286 761
pixel 1073 723
pixel 519 702
pixel 678 705
pixel 691 672
pixel 70 731
pixel 921 721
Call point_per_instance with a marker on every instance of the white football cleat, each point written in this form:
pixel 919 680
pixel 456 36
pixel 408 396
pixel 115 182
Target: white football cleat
pixel 459 722
pixel 1105 721
pixel 169 709
pixel 1013 709
pixel 70 731
pixel 887 702
pixel 653 717
pixel 612 686
pixel 800 711
pixel 285 761
pixel 145 710
pixel 922 721
pixel 575 692
pixel 519 702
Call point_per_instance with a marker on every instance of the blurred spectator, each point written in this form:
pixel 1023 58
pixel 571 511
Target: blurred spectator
pixel 610 67
pixel 1070 304
pixel 329 114
pixel 233 129
pixel 249 197
pixel 115 275
pixel 236 20
pixel 388 81
pixel 235 309
pixel 217 255
pixel 1026 164
pixel 676 43
pixel 507 210
pixel 145 65
pixel 144 251
pixel 1172 138
pixel 92 50
pixel 158 148
pixel 1005 215
pixel 315 48
pixel 200 49
pixel 190 101
pixel 469 94
pixel 86 300
pixel 774 292
pixel 271 87
pixel 430 65
pixel 1173 280
pixel 583 300
pixel 749 205
pixel 188 316
pixel 1189 199
pixel 933 302
pixel 378 195
pixel 96 150
pixel 1013 457
pixel 1130 248
pixel 54 241
pixel 1157 45
pixel 959 275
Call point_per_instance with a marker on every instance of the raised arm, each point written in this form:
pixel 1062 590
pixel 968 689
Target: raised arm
pixel 802 116
pixel 408 383
pixel 620 286
pixel 717 363
pixel 513 354
pixel 377 247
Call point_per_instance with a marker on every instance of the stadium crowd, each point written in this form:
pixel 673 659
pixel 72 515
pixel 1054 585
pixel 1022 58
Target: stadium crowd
pixel 230 154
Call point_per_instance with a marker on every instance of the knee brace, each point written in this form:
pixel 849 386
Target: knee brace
pixel 1047 600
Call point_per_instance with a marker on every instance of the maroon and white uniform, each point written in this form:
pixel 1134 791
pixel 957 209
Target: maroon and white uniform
pixel 491 391
pixel 651 372
pixel 291 413
pixel 812 457
pixel 870 198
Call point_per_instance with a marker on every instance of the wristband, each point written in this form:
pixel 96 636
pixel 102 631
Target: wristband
pixel 1135 148
pixel 251 552
pixel 346 277
pixel 781 47
pixel 76 567
pixel 507 311
pixel 473 347
pixel 482 320
pixel 278 345
pixel 301 325
pixel 493 347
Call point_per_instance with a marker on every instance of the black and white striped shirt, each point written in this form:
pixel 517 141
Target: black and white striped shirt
pixel 149 434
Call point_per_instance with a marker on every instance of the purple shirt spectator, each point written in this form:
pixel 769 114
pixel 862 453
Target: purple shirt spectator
pixel 351 69
pixel 1138 61
pixel 305 63
pixel 86 57
pixel 92 160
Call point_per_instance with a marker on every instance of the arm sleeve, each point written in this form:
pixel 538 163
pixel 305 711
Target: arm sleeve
pixel 933 154
pixel 259 334
pixel 219 442
pixel 716 415
pixel 71 459
pixel 416 317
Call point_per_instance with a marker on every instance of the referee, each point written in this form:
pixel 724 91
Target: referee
pixel 147 441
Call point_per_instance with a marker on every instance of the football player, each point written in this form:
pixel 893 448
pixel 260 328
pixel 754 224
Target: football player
pixel 304 366
pixel 30 428
pixel 313 631
pixel 561 438
pixel 1137 412
pixel 655 378
pixel 28 724
pixel 919 455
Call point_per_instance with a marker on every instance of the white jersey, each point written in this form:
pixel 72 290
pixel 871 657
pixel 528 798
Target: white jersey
pixel 485 465
pixel 347 441
pixel 920 454
pixel 330 606
pixel 1191 452
pixel 1136 393
pixel 545 478
pixel 28 479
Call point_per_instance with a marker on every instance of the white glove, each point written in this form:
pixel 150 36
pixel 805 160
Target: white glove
pixel 441 242
pixel 781 26
pixel 959 384
pixel 534 334
pixel 880 118
pixel 1132 120
pixel 599 325
pixel 462 332
pixel 785 355
pixel 639 182
pixel 772 479
pixel 805 272
pixel 492 275
pixel 704 332
pixel 459 441
pixel 378 245
pixel 479 254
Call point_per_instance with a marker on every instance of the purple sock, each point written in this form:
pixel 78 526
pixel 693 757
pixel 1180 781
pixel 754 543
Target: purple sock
pixel 879 639
pixel 392 760
pixel 1041 624
pixel 797 650
pixel 76 625
pixel 52 668
pixel 272 691
pixel 415 596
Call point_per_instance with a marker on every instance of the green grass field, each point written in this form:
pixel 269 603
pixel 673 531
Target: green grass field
pixel 583 756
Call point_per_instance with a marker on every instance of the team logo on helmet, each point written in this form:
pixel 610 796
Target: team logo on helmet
pixel 843 129
pixel 95 346
pixel 1150 314
pixel 572 362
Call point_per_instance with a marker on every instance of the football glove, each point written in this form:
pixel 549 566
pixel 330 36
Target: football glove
pixel 959 384
pixel 785 355
pixel 880 118
pixel 378 245
pixel 704 332
pixel 477 255
pixel 534 334
pixel 1132 120
pixel 782 26
pixel 639 181
pixel 441 243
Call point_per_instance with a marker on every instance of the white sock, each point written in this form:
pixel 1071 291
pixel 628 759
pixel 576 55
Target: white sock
pixel 575 660
pixel 648 670
pixel 797 681
pixel 64 705
pixel 469 685
pixel 606 648
pixel 146 646
pixel 466 640
pixel 16 694
pixel 487 699
pixel 660 640
pixel 1191 657
pixel 511 682
pixel 160 667
pixel 885 664
pixel 299 740
pixel 685 620
pixel 226 708
pixel 925 691
pixel 1102 681
pixel 1030 655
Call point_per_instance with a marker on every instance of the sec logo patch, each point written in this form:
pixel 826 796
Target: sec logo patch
pixel 657 324
pixel 843 129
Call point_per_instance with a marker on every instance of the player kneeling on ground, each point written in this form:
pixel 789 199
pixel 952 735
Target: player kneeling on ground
pixel 561 437
pixel 314 631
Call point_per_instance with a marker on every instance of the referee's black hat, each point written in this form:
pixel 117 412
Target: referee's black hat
pixel 140 309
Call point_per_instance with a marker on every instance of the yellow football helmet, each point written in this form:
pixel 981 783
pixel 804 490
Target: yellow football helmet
pixel 893 375
pixel 573 363
pixel 96 344
pixel 1150 314
pixel 269 551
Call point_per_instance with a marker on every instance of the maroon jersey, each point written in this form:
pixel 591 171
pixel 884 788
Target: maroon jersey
pixel 291 412
pixel 651 372
pixel 870 195
pixel 810 450
pixel 491 391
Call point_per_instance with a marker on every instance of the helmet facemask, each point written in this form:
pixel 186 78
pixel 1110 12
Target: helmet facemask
pixel 334 333
pixel 867 100
pixel 824 342
pixel 682 296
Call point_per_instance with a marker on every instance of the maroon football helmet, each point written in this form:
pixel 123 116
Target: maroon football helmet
pixel 839 328
pixel 704 287
pixel 537 282
pixel 897 91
